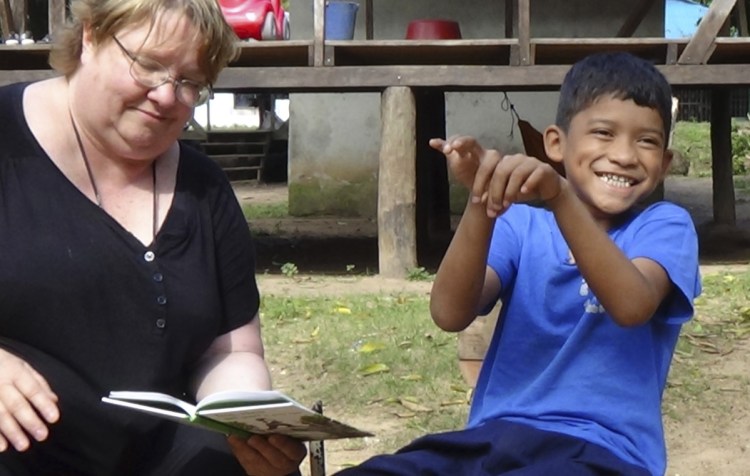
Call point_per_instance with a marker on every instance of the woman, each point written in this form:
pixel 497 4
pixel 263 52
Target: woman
pixel 125 260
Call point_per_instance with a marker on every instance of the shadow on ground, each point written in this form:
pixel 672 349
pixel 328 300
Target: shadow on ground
pixel 333 255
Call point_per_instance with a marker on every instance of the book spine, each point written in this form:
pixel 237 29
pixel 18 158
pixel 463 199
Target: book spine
pixel 220 427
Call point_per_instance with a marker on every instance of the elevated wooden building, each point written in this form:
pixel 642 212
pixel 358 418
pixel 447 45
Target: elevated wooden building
pixel 411 76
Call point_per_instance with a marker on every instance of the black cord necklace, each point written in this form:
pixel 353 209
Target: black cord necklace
pixel 99 202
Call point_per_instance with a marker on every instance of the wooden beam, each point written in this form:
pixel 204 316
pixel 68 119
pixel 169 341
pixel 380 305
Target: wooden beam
pixel 369 24
pixel 319 29
pixel 635 18
pixel 721 163
pixel 703 42
pixel 524 33
pixel 446 78
pixel 397 177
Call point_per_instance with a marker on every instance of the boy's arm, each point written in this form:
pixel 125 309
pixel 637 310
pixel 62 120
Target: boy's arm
pixel 464 284
pixel 630 291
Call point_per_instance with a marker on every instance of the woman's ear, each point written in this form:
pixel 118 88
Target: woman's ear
pixel 554 141
pixel 87 43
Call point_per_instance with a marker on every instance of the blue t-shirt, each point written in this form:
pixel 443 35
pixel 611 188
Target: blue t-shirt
pixel 557 360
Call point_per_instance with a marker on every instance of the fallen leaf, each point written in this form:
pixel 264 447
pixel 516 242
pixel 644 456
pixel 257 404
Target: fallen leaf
pixel 412 377
pixel 452 402
pixel 415 407
pixel 370 347
pixel 374 369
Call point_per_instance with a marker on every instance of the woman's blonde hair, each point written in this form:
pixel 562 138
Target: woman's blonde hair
pixel 107 17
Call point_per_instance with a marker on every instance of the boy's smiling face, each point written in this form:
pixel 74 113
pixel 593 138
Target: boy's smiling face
pixel 614 155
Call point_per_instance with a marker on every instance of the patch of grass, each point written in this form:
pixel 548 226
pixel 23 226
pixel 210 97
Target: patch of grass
pixel 373 355
pixel 693 141
pixel 381 359
pixel 266 210
pixel 722 319
pixel 419 274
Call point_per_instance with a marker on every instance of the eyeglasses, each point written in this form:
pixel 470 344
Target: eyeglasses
pixel 152 74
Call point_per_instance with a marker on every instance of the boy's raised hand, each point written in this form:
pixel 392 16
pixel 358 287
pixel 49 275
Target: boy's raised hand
pixel 463 154
pixel 498 180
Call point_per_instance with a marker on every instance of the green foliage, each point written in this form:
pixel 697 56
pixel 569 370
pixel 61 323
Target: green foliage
pixel 289 270
pixel 740 149
pixel 693 141
pixel 419 274
pixel 266 210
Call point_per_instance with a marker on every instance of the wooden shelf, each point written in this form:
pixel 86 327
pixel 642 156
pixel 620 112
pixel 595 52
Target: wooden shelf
pixel 569 50
pixel 15 57
pixel 420 52
pixel 449 65
pixel 274 53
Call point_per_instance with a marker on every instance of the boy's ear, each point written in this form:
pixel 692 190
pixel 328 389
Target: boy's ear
pixel 666 162
pixel 554 139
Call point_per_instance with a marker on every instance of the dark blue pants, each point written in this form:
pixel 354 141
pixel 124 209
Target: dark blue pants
pixel 498 448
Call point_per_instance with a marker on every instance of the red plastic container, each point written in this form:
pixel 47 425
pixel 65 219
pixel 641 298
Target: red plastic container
pixel 433 29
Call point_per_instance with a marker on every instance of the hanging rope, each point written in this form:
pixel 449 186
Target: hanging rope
pixel 533 140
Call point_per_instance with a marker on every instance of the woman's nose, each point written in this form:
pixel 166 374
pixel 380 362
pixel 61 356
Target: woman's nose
pixel 165 94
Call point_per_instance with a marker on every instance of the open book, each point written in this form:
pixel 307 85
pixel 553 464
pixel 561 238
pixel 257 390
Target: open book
pixel 241 413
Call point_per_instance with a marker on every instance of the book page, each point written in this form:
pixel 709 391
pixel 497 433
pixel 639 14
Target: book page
pixel 234 398
pixel 154 400
pixel 284 418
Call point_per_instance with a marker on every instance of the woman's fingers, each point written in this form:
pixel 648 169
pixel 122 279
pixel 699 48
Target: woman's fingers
pixel 27 403
pixel 275 455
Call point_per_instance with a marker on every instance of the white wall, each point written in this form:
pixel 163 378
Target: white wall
pixel 335 138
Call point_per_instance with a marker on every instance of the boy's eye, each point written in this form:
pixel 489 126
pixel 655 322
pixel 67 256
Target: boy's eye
pixel 602 132
pixel 652 141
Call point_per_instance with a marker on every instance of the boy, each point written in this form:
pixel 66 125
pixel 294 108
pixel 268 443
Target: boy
pixel 594 288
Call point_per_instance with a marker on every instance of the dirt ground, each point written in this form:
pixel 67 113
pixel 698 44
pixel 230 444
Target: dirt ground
pixel 711 437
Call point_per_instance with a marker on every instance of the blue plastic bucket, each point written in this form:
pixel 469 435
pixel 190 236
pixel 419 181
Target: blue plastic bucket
pixel 340 20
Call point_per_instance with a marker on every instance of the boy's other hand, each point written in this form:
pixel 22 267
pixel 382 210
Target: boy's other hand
pixel 514 178
pixel 463 155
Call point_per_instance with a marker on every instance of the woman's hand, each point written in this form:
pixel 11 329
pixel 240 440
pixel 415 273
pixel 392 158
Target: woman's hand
pixel 274 455
pixel 27 403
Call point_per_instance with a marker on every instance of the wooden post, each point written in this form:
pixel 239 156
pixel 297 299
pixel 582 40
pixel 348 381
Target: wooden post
pixel 55 17
pixel 7 25
pixel 369 25
pixel 523 26
pixel 721 162
pixel 702 44
pixel 397 195
pixel 319 29
pixel 20 10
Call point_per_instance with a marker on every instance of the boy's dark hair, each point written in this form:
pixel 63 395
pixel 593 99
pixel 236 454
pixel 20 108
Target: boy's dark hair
pixel 622 75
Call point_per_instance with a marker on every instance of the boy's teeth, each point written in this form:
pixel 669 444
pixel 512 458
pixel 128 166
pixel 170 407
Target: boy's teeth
pixel 616 180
